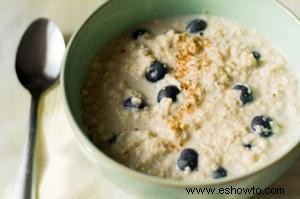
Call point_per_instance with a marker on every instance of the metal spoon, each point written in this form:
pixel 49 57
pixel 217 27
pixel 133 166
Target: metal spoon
pixel 38 62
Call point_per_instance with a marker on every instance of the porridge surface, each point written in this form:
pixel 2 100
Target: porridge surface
pixel 212 104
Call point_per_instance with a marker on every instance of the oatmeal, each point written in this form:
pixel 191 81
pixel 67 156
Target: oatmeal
pixel 191 98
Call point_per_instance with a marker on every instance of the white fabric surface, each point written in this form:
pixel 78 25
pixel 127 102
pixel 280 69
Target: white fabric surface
pixel 63 171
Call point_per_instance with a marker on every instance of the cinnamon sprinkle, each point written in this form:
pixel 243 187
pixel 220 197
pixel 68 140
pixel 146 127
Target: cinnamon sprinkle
pixel 190 60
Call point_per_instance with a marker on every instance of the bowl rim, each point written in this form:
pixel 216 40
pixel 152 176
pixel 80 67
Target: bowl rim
pixel 92 151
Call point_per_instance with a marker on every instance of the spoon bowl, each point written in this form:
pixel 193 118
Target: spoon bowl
pixel 39 55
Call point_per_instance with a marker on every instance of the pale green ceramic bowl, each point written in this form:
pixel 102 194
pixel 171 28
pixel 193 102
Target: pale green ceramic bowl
pixel 268 17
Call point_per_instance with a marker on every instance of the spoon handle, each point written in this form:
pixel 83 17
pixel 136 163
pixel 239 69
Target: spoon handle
pixel 27 174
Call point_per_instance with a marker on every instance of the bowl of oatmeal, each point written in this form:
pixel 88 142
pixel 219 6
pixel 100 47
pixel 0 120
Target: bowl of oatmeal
pixel 171 94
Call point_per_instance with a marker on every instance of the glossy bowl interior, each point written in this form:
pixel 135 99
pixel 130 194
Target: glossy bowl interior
pixel 268 17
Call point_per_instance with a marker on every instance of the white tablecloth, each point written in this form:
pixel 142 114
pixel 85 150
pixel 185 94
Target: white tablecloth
pixel 63 171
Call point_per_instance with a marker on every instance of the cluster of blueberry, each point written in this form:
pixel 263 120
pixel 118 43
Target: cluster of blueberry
pixel 155 72
pixel 196 26
pixel 188 158
pixel 260 124
pixel 158 70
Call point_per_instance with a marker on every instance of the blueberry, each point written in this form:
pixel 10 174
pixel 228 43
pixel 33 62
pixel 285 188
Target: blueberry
pixel 188 159
pixel 246 93
pixel 196 26
pixel 113 139
pixel 247 146
pixel 156 71
pixel 219 173
pixel 261 125
pixel 133 103
pixel 169 92
pixel 138 33
pixel 256 55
